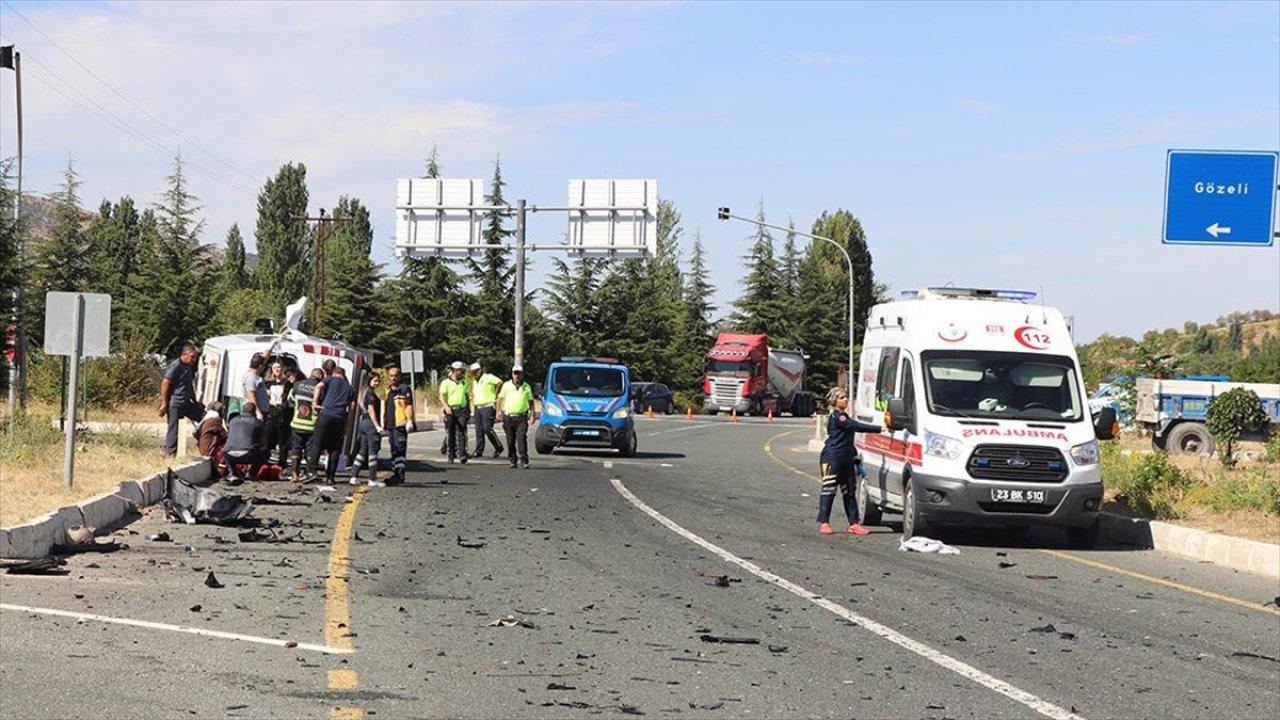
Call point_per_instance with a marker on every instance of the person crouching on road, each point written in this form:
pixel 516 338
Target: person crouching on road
pixel 244 444
pixel 484 396
pixel 211 437
pixel 369 434
pixel 303 423
pixel 455 398
pixel 515 407
pixel 335 397
pixel 839 463
pixel 398 421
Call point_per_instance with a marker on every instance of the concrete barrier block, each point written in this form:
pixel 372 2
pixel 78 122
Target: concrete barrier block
pixel 60 520
pixel 105 511
pixel 153 489
pixel 30 541
pixel 132 491
pixel 196 473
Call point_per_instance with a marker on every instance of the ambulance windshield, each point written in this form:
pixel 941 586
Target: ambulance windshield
pixel 1015 386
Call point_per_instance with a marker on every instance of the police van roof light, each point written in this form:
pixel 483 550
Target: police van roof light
pixel 979 293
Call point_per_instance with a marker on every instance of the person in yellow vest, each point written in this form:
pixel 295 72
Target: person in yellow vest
pixel 515 409
pixel 455 398
pixel 484 398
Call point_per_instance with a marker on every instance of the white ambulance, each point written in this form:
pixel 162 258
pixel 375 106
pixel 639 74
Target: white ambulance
pixel 984 413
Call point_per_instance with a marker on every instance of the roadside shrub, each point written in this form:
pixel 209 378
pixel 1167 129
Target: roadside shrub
pixel 1251 489
pixel 130 374
pixel 25 439
pixel 1152 485
pixel 1231 413
pixel 1273 447
pixel 685 400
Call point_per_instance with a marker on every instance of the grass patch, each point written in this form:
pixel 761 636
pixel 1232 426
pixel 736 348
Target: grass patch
pixel 1195 491
pixel 31 451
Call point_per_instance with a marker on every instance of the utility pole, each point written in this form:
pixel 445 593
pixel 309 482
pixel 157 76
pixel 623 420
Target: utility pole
pixel 519 289
pixel 315 309
pixel 12 59
pixel 724 214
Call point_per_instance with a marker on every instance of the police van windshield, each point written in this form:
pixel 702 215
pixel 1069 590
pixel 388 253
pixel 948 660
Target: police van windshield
pixel 588 382
pixel 1016 386
pixel 740 368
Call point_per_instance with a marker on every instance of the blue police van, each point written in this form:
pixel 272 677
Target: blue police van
pixel 586 403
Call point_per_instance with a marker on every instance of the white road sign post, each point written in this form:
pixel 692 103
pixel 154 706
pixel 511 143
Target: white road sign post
pixel 439 217
pixel 411 362
pixel 77 325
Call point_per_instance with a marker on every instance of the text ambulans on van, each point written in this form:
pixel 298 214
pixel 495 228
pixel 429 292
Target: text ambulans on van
pixel 985 415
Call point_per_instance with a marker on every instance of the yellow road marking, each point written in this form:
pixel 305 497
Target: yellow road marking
pixel 1161 581
pixel 346 714
pixel 337 610
pixel 343 680
pixel 1252 605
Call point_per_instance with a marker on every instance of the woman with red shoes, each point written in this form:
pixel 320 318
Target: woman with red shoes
pixel 839 462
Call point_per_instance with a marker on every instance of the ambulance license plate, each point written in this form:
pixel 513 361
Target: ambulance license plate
pixel 1004 495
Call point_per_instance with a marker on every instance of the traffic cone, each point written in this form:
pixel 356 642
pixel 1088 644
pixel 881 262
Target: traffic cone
pixel 733 415
pixel 770 417
pixel 649 412
pixel 688 413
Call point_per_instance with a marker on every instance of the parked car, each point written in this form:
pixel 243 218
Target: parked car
pixel 647 396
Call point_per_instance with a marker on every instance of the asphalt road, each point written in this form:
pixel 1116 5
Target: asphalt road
pixel 608 570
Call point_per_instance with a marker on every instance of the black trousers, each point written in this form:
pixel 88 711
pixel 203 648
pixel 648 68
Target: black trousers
pixel 328 436
pixel 837 475
pixel 484 429
pixel 516 428
pixel 278 433
pixel 457 432
pixel 299 447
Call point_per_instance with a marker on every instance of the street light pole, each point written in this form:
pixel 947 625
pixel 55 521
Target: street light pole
pixel 519 288
pixel 12 59
pixel 724 214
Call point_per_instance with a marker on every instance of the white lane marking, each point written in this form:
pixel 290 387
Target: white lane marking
pixel 1043 707
pixel 178 628
pixel 690 426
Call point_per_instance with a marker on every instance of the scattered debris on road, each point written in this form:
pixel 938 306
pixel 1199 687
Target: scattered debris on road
pixel 472 544
pixel 512 621
pixel 159 537
pixel 190 504
pixel 708 638
pixel 211 581
pixel 922 544
pixel 38 566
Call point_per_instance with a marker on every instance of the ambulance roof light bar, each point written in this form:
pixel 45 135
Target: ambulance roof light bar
pixel 980 293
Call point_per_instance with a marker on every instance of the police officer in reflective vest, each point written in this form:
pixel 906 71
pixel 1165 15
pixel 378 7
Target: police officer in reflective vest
pixel 515 407
pixel 399 421
pixel 484 396
pixel 455 398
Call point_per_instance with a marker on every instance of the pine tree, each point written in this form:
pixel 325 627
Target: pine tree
pixel 493 275
pixel 1235 336
pixel 760 309
pixel 572 304
pixel 697 294
pixel 790 265
pixel 234 275
pixel 113 244
pixel 62 261
pixel 823 293
pixel 176 280
pixel 283 273
pixel 352 310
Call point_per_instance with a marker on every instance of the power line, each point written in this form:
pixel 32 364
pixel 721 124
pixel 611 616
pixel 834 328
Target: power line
pixel 125 126
pixel 122 96
pixel 137 135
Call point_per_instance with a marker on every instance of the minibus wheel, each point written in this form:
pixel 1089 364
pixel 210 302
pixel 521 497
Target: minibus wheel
pixel 913 521
pixel 867 510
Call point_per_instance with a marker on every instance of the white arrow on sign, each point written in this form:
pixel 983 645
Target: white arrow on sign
pixel 1216 229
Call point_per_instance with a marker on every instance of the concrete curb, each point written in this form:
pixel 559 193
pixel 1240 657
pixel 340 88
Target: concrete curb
pixel 36 539
pixel 1228 551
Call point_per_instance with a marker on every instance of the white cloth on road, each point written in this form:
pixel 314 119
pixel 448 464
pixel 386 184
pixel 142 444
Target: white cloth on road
pixel 923 544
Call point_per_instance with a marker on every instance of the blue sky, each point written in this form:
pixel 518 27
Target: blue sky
pixel 1013 145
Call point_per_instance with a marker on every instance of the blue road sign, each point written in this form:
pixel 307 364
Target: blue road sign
pixel 1220 198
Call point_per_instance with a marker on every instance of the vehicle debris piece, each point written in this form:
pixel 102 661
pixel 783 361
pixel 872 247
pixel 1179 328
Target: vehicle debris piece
pixel 79 534
pixel 211 581
pixel 777 649
pixel 512 621
pixel 473 544
pixel 1243 654
pixel 159 537
pixel 190 504
pixel 1044 629
pixel 1042 577
pixel 558 686
pixel 922 544
pixel 708 638
pixel 1006 565
pixel 32 567
pixel 714 705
